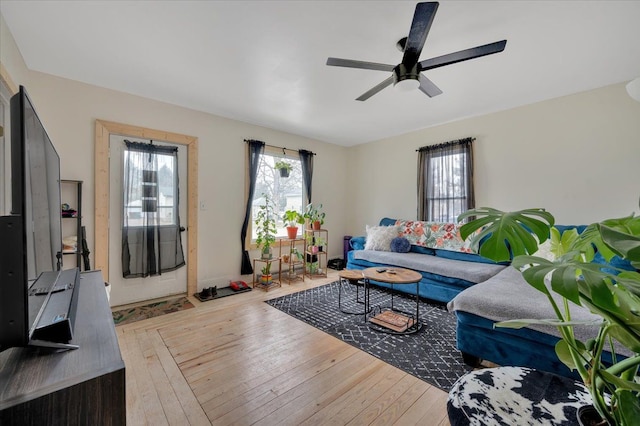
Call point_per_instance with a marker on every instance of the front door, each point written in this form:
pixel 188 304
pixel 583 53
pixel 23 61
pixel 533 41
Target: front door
pixel 130 290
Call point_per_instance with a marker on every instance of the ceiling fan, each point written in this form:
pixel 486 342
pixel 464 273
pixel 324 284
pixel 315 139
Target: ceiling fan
pixel 408 72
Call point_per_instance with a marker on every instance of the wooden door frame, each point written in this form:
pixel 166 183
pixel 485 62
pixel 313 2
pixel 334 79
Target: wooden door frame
pixel 104 129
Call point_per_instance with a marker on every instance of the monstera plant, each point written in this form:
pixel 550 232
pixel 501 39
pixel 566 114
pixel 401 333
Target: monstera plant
pixel 611 292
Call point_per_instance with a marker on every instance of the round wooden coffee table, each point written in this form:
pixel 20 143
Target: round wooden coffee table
pixel 394 321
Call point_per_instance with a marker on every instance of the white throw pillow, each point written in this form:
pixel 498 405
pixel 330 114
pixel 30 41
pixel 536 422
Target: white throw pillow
pixel 544 251
pixel 379 237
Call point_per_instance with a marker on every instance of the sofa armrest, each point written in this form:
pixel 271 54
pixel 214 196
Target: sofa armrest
pixel 357 243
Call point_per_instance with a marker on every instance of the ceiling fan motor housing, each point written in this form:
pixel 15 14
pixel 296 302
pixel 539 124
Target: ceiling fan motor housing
pixel 401 72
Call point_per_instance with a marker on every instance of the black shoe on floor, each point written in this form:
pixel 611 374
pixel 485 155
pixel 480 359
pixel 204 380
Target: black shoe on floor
pixel 214 290
pixel 205 294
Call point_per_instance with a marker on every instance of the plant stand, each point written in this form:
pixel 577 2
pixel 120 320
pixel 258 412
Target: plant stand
pixel 320 269
pixel 290 274
pixel 257 283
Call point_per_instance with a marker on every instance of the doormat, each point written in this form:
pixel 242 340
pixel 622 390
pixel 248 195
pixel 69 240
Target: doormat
pixel 127 316
pixel 429 354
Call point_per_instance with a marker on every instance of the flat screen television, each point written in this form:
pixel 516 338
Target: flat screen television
pixel 32 233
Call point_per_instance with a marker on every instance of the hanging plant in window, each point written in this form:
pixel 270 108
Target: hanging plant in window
pixel 284 167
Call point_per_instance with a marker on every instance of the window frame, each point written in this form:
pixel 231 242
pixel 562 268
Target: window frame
pixel 277 153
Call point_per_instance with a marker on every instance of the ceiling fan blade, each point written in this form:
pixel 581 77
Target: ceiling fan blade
pixel 463 55
pixel 349 63
pixel 369 93
pixel 428 88
pixel 422 20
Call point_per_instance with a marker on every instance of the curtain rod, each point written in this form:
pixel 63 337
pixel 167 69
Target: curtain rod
pixel 441 145
pixel 279 147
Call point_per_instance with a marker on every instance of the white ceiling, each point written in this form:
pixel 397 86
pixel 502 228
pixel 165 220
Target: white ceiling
pixel 263 62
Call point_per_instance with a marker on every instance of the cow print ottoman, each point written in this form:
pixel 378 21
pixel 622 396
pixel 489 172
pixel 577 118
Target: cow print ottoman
pixel 515 396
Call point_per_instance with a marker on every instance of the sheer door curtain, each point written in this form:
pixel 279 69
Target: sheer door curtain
pixel 151 242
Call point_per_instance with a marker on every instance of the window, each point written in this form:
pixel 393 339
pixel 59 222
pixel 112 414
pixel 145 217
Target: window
pixel 445 186
pixel 151 191
pixel 287 193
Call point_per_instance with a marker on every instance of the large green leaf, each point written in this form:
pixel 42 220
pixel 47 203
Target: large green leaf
pixel 620 308
pixel 508 234
pixel 561 245
pixel 629 405
pixel 564 354
pixel 564 273
pixel 624 244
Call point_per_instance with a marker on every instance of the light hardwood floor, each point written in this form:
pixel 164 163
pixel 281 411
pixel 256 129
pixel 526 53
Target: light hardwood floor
pixel 236 360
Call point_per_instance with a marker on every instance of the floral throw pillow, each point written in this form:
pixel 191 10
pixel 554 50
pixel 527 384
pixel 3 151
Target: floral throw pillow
pixel 415 232
pixel 437 235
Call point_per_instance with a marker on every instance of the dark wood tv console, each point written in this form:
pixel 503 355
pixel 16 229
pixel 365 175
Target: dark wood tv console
pixel 85 386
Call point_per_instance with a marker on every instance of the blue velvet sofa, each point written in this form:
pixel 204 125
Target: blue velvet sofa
pixel 444 273
pixel 480 298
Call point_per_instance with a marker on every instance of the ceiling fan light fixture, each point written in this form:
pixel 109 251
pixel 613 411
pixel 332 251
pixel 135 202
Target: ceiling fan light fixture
pixel 406 79
pixel 407 85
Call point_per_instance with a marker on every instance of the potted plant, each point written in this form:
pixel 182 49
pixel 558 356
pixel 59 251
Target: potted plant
pixel 320 242
pixel 284 167
pixel 295 252
pixel 292 218
pixel 265 227
pixel 312 267
pixel 315 215
pixel 606 290
pixel 266 277
pixel 312 244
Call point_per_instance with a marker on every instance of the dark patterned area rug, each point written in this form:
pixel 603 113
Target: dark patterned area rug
pixel 126 316
pixel 429 355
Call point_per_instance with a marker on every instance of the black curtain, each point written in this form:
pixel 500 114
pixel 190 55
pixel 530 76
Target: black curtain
pixel 256 148
pixel 306 160
pixel 445 180
pixel 151 242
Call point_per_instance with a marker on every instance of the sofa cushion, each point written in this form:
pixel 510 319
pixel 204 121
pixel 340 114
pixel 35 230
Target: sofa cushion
pixel 422 250
pixel 379 237
pixel 468 271
pixel 507 296
pixel 467 257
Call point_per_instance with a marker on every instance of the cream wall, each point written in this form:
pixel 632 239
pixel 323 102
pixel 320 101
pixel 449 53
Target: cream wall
pixel 69 109
pixel 577 156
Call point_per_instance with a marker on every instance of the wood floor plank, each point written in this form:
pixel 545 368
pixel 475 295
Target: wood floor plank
pixel 151 404
pixel 236 379
pixel 188 402
pixel 135 409
pixel 237 360
pixel 369 397
pixel 257 397
pixel 424 405
pixel 374 410
pixel 352 396
pixel 397 408
pixel 275 410
pixel 299 411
